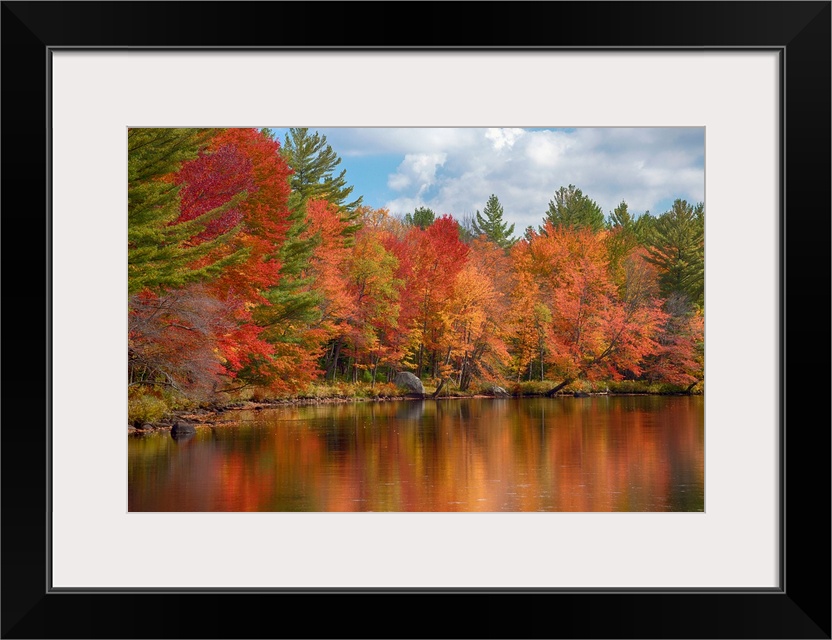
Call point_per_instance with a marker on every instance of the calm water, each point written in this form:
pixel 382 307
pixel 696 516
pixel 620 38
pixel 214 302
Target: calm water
pixel 633 453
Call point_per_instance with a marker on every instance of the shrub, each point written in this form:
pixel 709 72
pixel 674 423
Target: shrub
pixel 385 390
pixel 533 388
pixel 143 407
pixel 256 394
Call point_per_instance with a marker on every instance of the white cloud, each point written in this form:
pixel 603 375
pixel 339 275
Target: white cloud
pixel 501 138
pixel 417 170
pixel 547 149
pixel 455 170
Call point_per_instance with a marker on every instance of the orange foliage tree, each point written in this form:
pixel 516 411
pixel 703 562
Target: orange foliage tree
pixel 478 307
pixel 596 329
pixel 375 290
pixel 436 256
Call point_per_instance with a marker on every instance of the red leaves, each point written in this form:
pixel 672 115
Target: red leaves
pixel 580 302
pixel 679 358
pixel 211 181
pixel 239 182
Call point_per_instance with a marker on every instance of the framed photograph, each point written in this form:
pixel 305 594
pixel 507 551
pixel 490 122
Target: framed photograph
pixel 79 561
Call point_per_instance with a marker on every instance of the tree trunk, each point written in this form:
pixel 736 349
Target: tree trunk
pixel 439 388
pixel 336 353
pixel 419 364
pixel 690 388
pixel 466 380
pixel 552 392
pixel 375 368
pixel 328 357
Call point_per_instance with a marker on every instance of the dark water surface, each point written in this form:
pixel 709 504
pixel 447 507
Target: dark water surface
pixel 616 453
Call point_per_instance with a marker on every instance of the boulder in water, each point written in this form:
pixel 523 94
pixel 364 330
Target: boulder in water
pixel 182 428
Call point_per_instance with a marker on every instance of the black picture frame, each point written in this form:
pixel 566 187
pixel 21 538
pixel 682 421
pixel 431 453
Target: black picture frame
pixel 800 608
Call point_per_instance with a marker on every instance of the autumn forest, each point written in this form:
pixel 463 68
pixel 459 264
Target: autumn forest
pixel 256 272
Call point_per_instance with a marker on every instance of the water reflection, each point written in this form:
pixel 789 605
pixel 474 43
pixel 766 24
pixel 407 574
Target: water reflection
pixel 637 453
pixel 182 438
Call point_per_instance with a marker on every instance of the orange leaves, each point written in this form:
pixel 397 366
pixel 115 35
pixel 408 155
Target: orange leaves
pixel 375 289
pixel 597 329
pixel 433 257
pixel 288 290
pixel 454 302
pixel 329 261
pixel 680 355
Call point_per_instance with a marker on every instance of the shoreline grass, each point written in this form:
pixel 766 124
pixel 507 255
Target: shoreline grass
pixel 149 408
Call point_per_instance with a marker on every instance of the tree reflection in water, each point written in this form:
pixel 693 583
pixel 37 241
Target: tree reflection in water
pixel 597 454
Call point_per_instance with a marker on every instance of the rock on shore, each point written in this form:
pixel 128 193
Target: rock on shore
pixel 410 383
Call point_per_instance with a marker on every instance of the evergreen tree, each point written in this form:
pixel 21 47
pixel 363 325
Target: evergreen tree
pixel 677 248
pixel 293 308
pixel 314 163
pixel 164 253
pixel 421 217
pixel 621 240
pixel 572 209
pixel 621 217
pixel 643 227
pixel 492 224
pixel 292 303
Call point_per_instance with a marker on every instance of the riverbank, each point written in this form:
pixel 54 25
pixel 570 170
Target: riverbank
pixel 217 413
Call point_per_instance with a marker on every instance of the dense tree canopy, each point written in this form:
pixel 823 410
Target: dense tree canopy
pixel 191 328
pixel 166 248
pixel 251 266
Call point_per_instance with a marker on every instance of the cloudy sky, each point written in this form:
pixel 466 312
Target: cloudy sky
pixel 456 170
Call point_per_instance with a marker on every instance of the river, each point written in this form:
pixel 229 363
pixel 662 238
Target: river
pixel 596 454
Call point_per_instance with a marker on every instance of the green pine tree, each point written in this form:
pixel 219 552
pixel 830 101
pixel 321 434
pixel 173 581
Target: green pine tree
pixel 623 238
pixel 421 217
pixel 621 217
pixel 159 254
pixel 571 208
pixel 314 164
pixel 490 223
pixel 293 303
pixel 643 227
pixel 677 247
